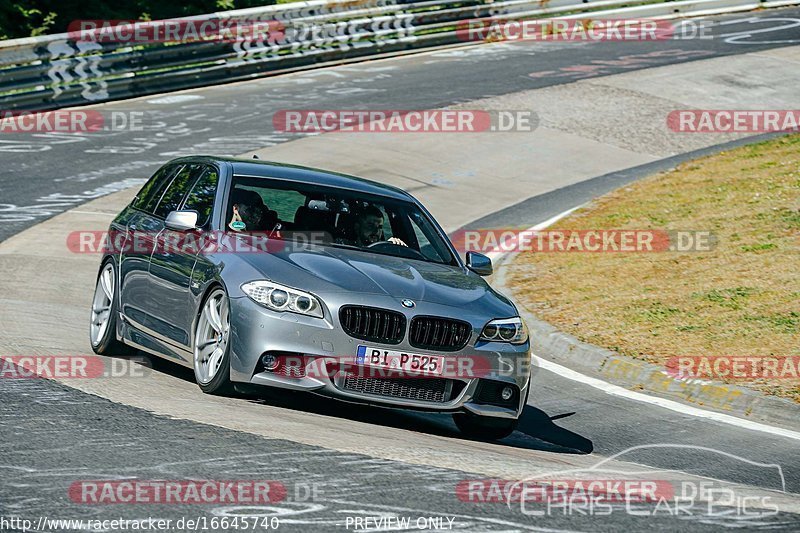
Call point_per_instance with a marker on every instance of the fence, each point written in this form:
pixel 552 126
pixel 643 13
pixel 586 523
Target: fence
pixel 54 71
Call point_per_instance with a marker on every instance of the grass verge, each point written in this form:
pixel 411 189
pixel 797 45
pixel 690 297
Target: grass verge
pixel 742 298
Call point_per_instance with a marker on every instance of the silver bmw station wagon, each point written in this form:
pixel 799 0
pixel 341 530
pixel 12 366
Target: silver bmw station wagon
pixel 296 278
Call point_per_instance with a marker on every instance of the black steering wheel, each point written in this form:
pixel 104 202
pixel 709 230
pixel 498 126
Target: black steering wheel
pixel 391 248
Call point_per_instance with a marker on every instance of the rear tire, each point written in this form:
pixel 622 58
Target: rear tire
pixel 103 321
pixel 484 427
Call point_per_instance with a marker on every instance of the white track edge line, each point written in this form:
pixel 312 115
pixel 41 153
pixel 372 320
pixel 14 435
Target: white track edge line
pixel 616 390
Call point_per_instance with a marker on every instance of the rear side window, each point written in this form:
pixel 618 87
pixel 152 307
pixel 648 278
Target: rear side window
pixel 283 202
pixel 201 199
pixel 177 189
pixel 148 197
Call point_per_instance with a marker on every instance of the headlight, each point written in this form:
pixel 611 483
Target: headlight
pixel 510 330
pixel 281 298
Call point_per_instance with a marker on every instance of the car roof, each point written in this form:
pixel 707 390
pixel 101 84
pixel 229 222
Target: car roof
pixel 300 174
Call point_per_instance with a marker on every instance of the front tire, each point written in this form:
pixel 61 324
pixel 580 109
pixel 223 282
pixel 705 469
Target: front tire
pixel 484 427
pixel 212 367
pixel 103 322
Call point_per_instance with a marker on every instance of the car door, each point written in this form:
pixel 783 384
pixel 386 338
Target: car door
pixel 171 315
pixel 134 259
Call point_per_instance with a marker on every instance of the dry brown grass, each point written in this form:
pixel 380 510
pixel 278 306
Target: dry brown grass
pixel 740 299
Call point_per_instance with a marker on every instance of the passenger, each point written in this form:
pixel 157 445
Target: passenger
pixel 249 212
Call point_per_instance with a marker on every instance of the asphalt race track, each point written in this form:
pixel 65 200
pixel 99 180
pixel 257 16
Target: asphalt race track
pixel 54 434
pixel 47 174
pixel 118 442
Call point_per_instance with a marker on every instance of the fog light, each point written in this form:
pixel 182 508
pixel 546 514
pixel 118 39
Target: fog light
pixel 269 361
pixel 506 393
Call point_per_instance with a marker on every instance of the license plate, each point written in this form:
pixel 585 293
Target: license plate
pixel 400 361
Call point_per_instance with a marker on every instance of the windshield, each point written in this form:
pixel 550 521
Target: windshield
pixel 329 216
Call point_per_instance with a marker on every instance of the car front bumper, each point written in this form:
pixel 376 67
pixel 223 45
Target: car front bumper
pixel 325 352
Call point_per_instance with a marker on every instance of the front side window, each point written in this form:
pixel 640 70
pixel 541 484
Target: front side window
pixel 425 234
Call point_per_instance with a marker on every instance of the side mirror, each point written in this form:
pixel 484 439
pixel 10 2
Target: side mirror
pixel 181 220
pixel 479 263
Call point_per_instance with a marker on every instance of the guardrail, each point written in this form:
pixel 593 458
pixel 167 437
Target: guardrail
pixel 54 71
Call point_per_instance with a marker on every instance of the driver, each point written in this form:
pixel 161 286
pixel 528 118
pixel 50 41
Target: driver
pixel 368 228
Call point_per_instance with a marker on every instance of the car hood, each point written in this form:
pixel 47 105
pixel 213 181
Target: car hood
pixel 330 269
